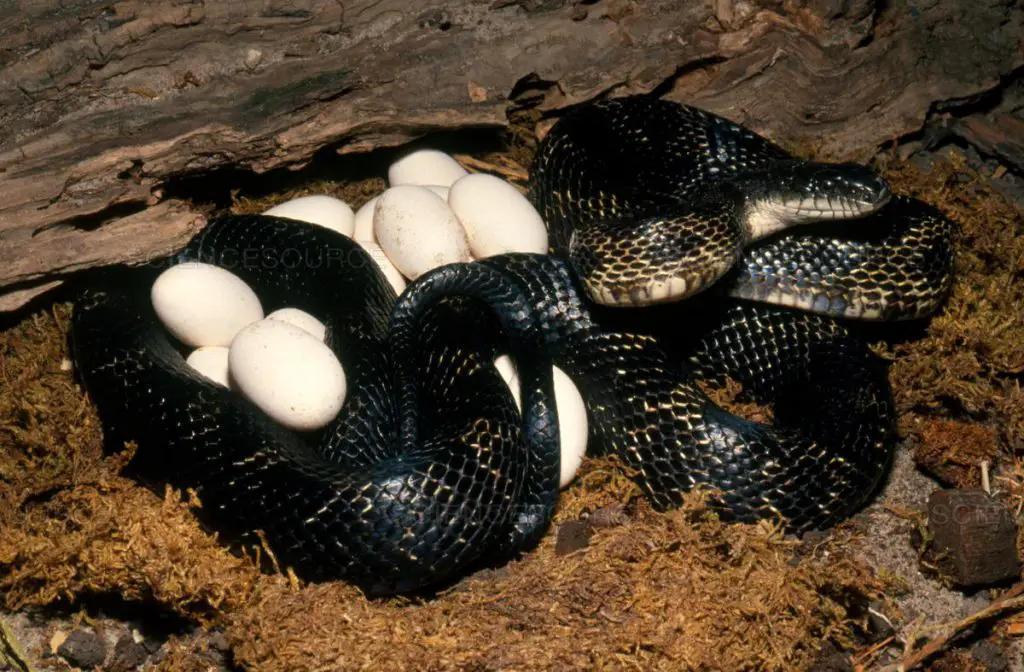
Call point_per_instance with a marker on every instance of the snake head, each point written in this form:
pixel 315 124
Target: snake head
pixel 798 192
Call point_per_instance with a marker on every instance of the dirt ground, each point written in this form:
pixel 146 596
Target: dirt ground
pixel 96 571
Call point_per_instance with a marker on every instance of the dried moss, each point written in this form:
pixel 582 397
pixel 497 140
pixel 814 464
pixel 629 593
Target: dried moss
pixel 953 452
pixel 49 435
pixel 968 364
pixel 354 193
pixel 667 591
pixel 115 537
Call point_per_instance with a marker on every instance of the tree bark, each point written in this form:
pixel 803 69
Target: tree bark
pixel 103 103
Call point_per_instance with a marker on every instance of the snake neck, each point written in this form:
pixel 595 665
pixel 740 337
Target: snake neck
pixel 540 449
pixel 795 192
pixel 504 299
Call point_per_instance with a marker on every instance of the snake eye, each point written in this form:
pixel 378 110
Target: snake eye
pixel 862 183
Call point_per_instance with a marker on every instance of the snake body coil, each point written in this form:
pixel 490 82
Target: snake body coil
pixel 429 468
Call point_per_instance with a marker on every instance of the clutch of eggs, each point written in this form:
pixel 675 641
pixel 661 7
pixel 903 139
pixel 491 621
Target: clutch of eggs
pixel 434 213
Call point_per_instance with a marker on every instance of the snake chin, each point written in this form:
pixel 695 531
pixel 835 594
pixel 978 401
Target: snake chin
pixel 767 217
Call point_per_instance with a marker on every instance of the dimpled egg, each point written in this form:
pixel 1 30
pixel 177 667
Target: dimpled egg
pixel 497 218
pixel 326 211
pixel 300 319
pixel 572 416
pixel 287 373
pixel 211 362
pixel 418 231
pixel 425 166
pixel 202 304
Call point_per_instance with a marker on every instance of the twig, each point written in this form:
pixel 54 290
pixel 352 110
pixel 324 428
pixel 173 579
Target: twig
pixel 900 512
pixel 1011 600
pixel 882 616
pixel 985 484
pixel 862 659
pixel 265 548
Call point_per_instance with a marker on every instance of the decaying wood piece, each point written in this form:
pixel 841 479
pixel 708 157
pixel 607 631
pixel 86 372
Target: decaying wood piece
pixel 102 104
pixel 975 535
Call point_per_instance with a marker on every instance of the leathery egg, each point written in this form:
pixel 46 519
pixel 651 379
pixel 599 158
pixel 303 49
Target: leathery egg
pixel 497 218
pixel 212 362
pixel 363 230
pixel 325 211
pixel 300 319
pixel 439 190
pixel 202 304
pixel 364 215
pixel 287 373
pixel 572 416
pixel 425 166
pixel 417 230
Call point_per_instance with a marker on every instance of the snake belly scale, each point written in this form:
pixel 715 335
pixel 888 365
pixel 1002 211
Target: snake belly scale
pixel 430 469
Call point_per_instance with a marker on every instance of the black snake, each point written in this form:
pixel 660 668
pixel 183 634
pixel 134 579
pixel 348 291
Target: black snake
pixel 430 469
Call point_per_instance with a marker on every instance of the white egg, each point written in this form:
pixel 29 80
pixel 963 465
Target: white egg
pixel 288 374
pixel 363 229
pixel 385 265
pixel 201 304
pixel 364 215
pixel 300 319
pixel 509 374
pixel 425 166
pixel 326 211
pixel 497 218
pixel 440 191
pixel 572 415
pixel 417 230
pixel 212 362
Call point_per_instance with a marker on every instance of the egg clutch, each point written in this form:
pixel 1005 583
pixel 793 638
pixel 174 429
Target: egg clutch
pixel 433 213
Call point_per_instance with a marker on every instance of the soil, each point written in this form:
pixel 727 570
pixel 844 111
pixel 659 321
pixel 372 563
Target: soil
pixel 95 567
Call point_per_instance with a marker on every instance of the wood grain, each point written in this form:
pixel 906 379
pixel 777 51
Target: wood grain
pixel 102 104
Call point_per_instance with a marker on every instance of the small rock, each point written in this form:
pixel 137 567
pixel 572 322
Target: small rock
pixel 253 57
pixel 83 649
pixel 991 655
pixel 219 641
pixel 974 535
pixel 814 537
pixel 609 516
pixel 572 536
pixel 831 660
pixel 128 654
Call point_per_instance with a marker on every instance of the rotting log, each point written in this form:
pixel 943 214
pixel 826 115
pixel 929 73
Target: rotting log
pixel 102 104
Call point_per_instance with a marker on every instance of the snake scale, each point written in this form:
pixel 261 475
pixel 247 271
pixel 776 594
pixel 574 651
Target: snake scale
pixel 430 470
